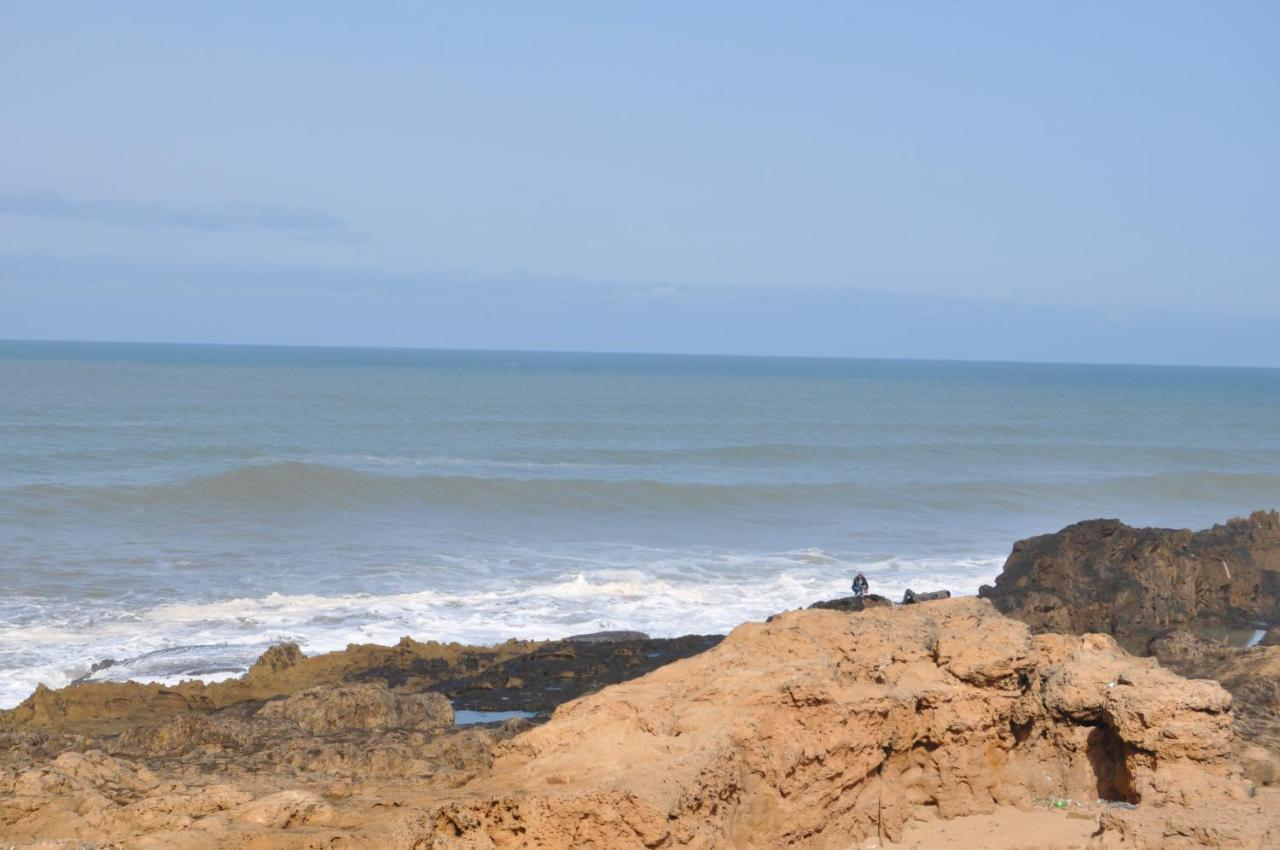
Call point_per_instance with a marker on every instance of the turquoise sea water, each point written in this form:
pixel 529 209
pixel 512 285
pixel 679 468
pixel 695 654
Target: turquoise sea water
pixel 177 508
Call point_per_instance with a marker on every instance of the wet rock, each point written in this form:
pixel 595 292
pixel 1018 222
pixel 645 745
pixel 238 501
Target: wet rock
pixel 853 603
pixel 275 661
pixel 1136 583
pixel 560 671
pixel 607 637
pixel 911 597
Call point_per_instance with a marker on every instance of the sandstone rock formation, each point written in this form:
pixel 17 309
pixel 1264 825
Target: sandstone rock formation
pixel 237 776
pixel 340 725
pixel 1104 576
pixel 819 729
pixel 816 730
pixel 1252 676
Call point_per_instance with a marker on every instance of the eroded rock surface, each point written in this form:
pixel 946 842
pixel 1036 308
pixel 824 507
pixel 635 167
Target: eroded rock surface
pixel 1150 588
pixel 815 730
pixel 521 675
pixel 238 777
pixel 1252 676
pixel 1136 583
pixel 321 711
pixel 110 707
pixel 819 729
pixel 357 726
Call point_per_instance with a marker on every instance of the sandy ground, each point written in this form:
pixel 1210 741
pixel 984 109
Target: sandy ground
pixel 1006 829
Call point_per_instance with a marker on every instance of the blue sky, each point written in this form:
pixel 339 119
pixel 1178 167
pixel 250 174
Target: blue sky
pixel 1045 181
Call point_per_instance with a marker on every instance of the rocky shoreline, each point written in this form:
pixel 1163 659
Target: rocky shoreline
pixel 1158 591
pixel 1008 719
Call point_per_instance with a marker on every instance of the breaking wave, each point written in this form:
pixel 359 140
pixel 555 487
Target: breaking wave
pixel 708 594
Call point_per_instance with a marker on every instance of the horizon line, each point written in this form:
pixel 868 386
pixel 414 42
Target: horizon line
pixel 706 355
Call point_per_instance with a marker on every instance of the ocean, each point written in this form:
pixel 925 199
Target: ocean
pixel 178 508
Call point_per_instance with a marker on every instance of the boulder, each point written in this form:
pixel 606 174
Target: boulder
pixel 911 597
pixel 607 637
pixel 853 604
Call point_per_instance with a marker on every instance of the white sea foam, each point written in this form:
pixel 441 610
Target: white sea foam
pixel 213 640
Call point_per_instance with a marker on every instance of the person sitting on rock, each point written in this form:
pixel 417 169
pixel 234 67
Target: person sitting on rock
pixel 860 585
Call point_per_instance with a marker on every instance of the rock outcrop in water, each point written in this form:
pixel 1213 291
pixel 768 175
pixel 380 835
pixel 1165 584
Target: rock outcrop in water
pixel 818 730
pixel 1136 583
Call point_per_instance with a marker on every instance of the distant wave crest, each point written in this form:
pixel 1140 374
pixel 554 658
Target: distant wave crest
pixel 294 484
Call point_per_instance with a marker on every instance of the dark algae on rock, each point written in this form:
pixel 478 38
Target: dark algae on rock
pixel 557 672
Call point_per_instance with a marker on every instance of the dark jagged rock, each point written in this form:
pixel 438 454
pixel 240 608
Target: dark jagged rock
pixel 557 672
pixel 853 603
pixel 607 637
pixel 1135 583
pixel 911 597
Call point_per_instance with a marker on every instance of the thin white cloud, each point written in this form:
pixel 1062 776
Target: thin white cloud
pixel 222 217
pixel 661 292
